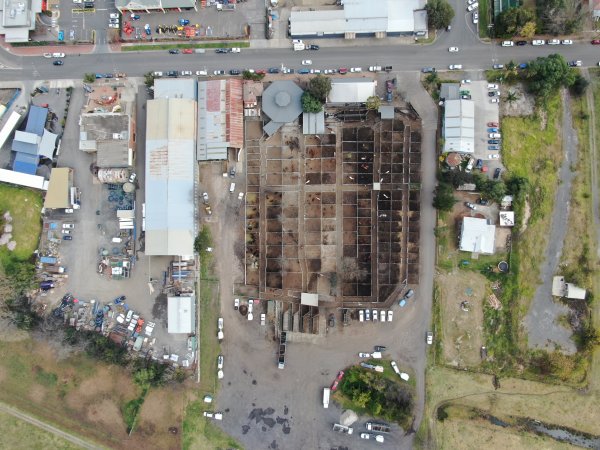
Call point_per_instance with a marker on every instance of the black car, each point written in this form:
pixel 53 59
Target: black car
pixel 313 47
pixel 521 43
pixel 491 93
pixel 380 348
pixel 68 238
pixel 221 50
pixel 234 72
pixel 497 173
pixel 174 51
pixel 57 63
pixel 171 73
pixel 479 164
pixel 482 201
pixel 273 70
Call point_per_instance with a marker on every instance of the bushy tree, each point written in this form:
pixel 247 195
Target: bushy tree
pixel 89 78
pixel 510 21
pixel 528 30
pixel 579 85
pixel 444 197
pixel 311 104
pixel 320 87
pixel 439 13
pixel 560 16
pixel 373 103
pixel 547 74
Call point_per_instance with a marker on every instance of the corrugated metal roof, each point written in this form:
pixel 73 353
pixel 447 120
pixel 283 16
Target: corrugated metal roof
pixel 48 144
pixel 181 315
pixel 272 127
pixel 235 113
pixel 459 126
pixel 281 101
pixel 112 154
pixel 313 123
pixel 387 112
pixel 175 88
pixel 36 120
pixel 351 90
pixel 477 236
pixel 170 176
pixel 23 179
pixel 58 195
pixel 25 163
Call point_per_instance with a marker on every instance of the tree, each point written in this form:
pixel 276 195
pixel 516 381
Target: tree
pixel 148 79
pixel 432 79
pixel 319 87
pixel 511 97
pixel 444 197
pixel 510 21
pixel 528 30
pixel 547 74
pixel 373 103
pixel 203 240
pixel 579 85
pixel 89 78
pixel 560 16
pixel 311 104
pixel 247 75
pixel 440 13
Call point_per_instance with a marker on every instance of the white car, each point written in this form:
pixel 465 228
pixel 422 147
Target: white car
pixel 452 49
pixel 390 315
pixel 307 62
pixel 475 17
pixel 553 42
pixel 186 73
pixel 361 313
pixel 494 135
pixel 465 81
pixel 492 86
pixel 567 42
pixel 395 367
pixel 220 323
pixel 494 100
pixel 236 304
pixel 364 355
pixel 455 66
pixel 68 226
pixel 66 231
pixel 382 316
pixel 355 69
pixel 429 337
pixel 250 305
pixel 129 314
pixel 58 55
pixel 202 72
pixel 47 55
pixel 113 16
pixel 263 319
pixel 473 6
pixel 377 437
pixel 367 314
pixel 508 43
pixel 404 376
pixel 220 362
pixel 235 50
pixel 470 2
pixel 132 177
pixel 494 156
pixel 538 42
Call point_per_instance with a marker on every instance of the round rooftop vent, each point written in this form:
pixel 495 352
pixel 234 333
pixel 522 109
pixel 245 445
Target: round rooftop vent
pixel 282 99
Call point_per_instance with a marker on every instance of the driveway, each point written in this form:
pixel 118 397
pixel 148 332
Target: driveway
pixel 541 322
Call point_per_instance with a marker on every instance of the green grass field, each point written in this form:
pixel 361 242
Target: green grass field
pixel 16 434
pixel 24 206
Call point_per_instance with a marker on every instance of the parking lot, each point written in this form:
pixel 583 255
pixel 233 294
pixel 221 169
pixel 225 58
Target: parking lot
pixel 485 112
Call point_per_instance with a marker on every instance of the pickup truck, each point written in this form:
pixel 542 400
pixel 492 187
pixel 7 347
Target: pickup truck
pixel 379 427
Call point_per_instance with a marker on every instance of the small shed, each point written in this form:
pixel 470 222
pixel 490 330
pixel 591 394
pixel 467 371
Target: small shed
pixel 181 315
pixel 560 288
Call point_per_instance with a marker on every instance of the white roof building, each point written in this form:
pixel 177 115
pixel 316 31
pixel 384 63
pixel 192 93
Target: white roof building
pixel 476 236
pixel 568 290
pixel 18 19
pixel 170 176
pixel 181 315
pixel 361 18
pixel 507 218
pixel 351 90
pixel 459 126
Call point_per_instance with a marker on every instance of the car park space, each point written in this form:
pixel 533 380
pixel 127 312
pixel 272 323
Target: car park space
pixel 485 112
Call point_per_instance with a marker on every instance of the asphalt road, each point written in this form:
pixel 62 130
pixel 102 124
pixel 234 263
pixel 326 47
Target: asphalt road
pixel 474 56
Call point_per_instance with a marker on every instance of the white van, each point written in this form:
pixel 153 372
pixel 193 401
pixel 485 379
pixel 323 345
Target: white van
pixel 231 188
pixel 326 393
pixel 470 165
pixel 507 43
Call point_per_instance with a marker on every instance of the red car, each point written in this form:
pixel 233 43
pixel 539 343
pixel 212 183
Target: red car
pixel 343 70
pixel 260 71
pixel 187 51
pixel 337 380
pixel 492 124
pixel 596 42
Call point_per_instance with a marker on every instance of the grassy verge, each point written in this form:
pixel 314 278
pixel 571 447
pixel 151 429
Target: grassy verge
pixel 24 206
pixel 18 434
pixel 131 409
pixel 485 13
pixel 153 47
pixel 200 433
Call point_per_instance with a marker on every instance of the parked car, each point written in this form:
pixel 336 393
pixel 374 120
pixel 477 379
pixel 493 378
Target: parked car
pixel 205 198
pixel 494 100
pixel 473 7
pixel 493 124
pixel 355 69
pixel 236 304
pixel 395 367
pixel 201 72
pixel 187 51
pixel 408 295
pixel 493 141
pixel 455 67
pixel 303 71
pixel 575 63
pixel 465 81
pixel 494 135
pixel 174 51
pixel 427 70
pixel 497 173
pixel 494 156
pixel 470 206
pixel 521 43
pixel 429 337
pixel 367 314
pixel 479 164
pixel 68 238
pixel 453 49
pixel 361 316
pixel 508 43
pixel 382 316
pixel 273 70
pixel 68 226
pixel 492 130
pixel 186 73
pixel 492 93
pixel 364 355
pixel 567 42
pixel 221 50
pixel 171 73
pixel 339 377
pixel 494 147
pixel 498 66
pixel 342 71
pixel 313 47
pixel 538 42
pixel 553 41
pixel 475 17
pixel 390 315
pixel 234 72
pixel 263 319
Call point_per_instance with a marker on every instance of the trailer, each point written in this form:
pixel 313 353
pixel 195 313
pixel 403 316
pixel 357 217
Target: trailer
pixel 379 427
pixel 326 394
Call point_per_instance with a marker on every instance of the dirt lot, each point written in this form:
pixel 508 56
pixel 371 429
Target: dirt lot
pixel 462 330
